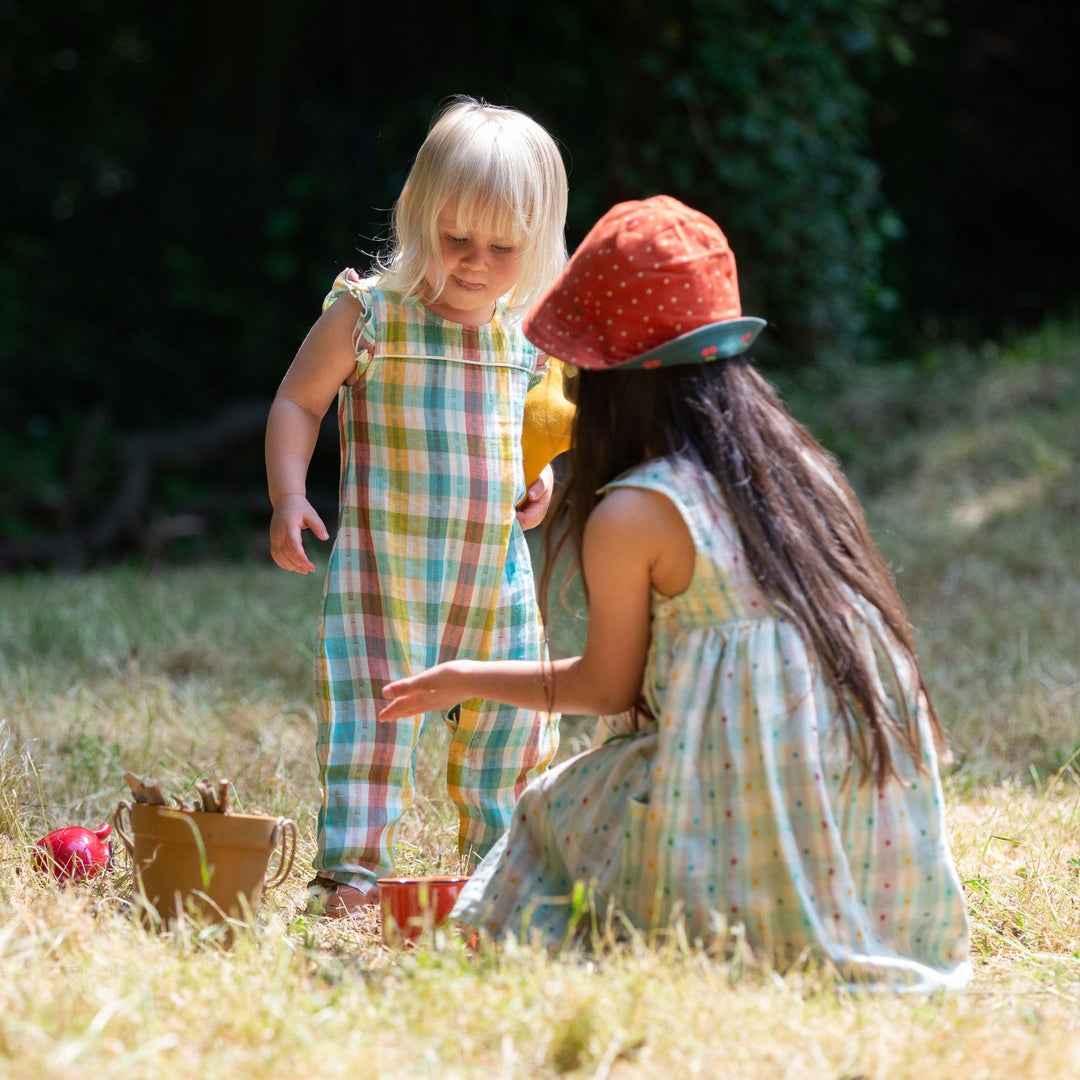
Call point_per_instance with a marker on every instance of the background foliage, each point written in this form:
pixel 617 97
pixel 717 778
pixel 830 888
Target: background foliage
pixel 181 182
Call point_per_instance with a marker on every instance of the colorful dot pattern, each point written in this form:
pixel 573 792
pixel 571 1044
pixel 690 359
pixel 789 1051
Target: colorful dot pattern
pixel 737 806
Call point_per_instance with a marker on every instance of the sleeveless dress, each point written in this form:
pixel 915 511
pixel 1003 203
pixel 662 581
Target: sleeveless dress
pixel 429 564
pixel 736 806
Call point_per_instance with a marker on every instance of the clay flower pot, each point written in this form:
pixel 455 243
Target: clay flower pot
pixel 210 866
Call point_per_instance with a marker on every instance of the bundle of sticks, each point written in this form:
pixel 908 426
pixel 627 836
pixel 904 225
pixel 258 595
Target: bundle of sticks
pixel 212 798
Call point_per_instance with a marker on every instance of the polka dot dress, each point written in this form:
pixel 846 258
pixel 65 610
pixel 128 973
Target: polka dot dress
pixel 736 806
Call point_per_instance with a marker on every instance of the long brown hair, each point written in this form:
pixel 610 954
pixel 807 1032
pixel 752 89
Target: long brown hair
pixel 801 525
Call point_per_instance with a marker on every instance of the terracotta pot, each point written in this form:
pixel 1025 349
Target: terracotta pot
pixel 210 866
pixel 413 906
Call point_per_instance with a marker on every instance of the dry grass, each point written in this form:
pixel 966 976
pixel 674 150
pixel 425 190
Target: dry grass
pixel 982 522
pixel 85 987
pixel 181 673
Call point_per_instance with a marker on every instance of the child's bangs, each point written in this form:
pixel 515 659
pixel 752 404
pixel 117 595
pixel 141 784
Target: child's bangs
pixel 493 200
pixel 478 214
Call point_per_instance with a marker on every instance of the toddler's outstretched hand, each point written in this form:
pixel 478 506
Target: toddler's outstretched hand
pixel 292 515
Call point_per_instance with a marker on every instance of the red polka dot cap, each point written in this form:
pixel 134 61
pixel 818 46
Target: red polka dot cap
pixel 653 284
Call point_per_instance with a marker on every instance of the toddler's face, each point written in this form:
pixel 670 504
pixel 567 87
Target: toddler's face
pixel 479 268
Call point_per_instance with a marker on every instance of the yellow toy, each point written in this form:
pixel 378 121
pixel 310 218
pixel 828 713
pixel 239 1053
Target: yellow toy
pixel 549 420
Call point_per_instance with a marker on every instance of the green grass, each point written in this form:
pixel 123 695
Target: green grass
pixel 969 465
pixel 970 470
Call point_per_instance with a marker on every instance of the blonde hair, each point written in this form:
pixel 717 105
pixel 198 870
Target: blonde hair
pixel 508 178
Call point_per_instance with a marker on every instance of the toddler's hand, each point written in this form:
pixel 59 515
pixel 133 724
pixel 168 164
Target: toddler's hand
pixel 292 515
pixel 537 500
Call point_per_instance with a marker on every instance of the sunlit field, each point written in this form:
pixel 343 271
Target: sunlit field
pixel 969 466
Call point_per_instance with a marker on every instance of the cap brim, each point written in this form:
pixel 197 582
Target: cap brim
pixel 717 341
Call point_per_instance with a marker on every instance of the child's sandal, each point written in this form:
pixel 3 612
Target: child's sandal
pixel 334 900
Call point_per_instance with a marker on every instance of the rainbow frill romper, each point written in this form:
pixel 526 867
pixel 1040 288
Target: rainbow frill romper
pixel 735 807
pixel 429 564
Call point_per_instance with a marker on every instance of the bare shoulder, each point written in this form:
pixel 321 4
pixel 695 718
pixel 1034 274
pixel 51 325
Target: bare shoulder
pixel 623 507
pixel 340 318
pixel 326 357
pixel 648 523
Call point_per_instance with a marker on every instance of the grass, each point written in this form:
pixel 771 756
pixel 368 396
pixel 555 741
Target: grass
pixel 977 505
pixel 969 463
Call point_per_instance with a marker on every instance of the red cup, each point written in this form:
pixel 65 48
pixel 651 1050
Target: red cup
pixel 413 905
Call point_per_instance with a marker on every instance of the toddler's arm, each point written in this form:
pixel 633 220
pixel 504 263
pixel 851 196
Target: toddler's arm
pixel 325 360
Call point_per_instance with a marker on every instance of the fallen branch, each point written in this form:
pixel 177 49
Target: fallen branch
pixel 128 521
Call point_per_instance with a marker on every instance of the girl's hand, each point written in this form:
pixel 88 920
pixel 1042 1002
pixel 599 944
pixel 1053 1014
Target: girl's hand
pixel 293 514
pixel 537 500
pixel 435 690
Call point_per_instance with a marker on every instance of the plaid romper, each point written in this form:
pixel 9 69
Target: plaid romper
pixel 429 564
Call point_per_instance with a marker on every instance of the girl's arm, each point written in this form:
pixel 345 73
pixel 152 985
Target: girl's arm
pixel 325 360
pixel 635 540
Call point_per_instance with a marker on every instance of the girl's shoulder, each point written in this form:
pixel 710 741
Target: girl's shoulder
pixel 366 290
pixel 689 486
pixel 350 283
pixel 379 307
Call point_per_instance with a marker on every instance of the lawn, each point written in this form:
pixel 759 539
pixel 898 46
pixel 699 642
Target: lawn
pixel 969 465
